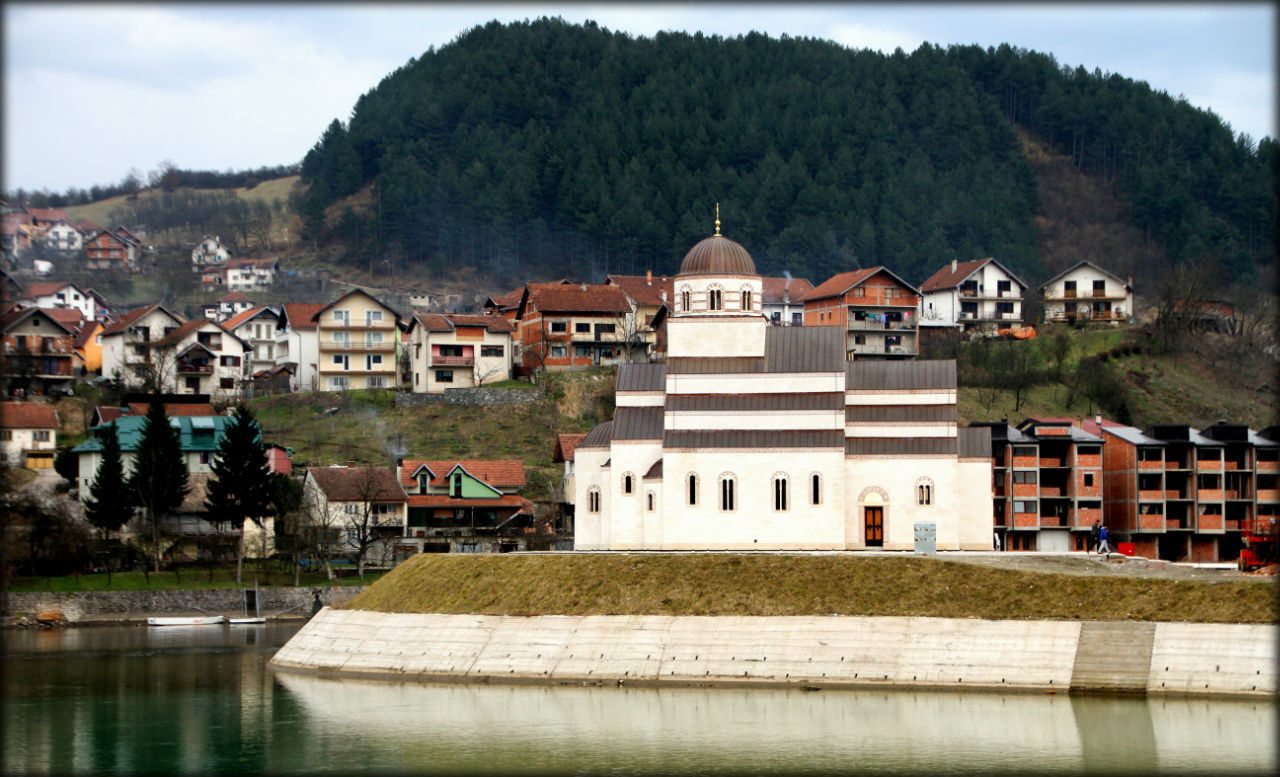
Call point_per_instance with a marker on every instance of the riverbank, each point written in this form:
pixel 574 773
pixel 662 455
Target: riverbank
pixel 812 652
pixel 86 608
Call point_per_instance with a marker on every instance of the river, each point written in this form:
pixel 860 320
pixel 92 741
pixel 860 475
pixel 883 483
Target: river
pixel 202 700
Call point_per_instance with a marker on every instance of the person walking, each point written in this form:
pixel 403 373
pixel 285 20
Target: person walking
pixel 1102 540
pixel 1093 536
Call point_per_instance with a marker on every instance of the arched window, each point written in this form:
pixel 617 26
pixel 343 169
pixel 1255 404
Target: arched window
pixel 746 300
pixel 815 489
pixel 781 499
pixel 649 501
pixel 691 484
pixel 728 492
pixel 924 492
pixel 593 500
pixel 716 299
pixel 628 483
pixel 685 301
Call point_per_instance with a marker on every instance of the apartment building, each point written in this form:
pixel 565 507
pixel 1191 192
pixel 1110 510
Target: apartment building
pixel 569 326
pixel 1086 292
pixel 356 338
pixel 981 297
pixel 458 351
pixel 878 310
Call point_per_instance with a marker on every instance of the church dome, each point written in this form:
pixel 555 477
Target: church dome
pixel 717 255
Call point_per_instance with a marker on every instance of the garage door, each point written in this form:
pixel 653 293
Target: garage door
pixel 39 460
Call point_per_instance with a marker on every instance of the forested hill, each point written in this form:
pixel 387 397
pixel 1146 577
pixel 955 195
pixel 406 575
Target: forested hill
pixel 544 149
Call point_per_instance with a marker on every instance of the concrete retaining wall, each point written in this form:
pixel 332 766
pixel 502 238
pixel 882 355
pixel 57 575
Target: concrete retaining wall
pixel 804 651
pixel 93 606
pixel 469 396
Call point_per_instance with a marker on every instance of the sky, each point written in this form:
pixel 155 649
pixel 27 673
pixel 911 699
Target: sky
pixel 93 91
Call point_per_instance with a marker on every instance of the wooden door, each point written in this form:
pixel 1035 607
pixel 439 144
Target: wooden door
pixel 875 526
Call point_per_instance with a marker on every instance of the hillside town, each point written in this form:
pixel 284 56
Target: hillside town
pixel 752 412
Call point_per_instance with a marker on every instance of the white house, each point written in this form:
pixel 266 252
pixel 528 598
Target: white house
pixel 298 343
pixel 28 434
pixel 981 296
pixel 347 502
pixel 459 351
pixel 259 327
pixel 63 237
pixel 250 274
pixel 68 296
pixel 1086 292
pixel 209 251
pixel 189 357
pixel 757 437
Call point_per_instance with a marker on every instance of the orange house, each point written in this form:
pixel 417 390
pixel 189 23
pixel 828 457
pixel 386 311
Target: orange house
pixel 564 326
pixel 879 311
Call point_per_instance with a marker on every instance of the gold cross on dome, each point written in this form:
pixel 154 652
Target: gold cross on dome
pixel 717 219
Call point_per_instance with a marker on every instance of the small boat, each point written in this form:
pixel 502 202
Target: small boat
pixel 198 620
pixel 250 621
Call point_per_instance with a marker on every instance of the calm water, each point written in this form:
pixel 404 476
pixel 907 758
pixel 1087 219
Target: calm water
pixel 202 700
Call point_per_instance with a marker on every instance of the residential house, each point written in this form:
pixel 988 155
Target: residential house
pixel 784 300
pixel 206 359
pixel 62 236
pixel 347 503
pixel 757 437
pixel 209 252
pixel 60 295
pixel 1184 494
pixel 47 217
pixel 16 238
pixel 1046 484
pixel 505 305
pixel 566 445
pixel 297 344
pixel 357 338
pixel 129 344
pixel 982 297
pixel 566 326
pixel 232 304
pixel 88 347
pixel 466 506
pixel 111 250
pixel 647 295
pixel 1086 292
pixel 37 354
pixel 28 434
pixel 458 351
pixel 260 328
pixel 251 274
pixel 878 311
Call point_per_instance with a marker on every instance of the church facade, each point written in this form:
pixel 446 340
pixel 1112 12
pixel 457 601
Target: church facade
pixel 757 437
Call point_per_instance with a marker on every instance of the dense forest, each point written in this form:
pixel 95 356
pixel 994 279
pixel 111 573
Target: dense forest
pixel 542 148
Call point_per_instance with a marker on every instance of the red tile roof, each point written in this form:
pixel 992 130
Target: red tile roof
pixel 440 322
pixel 88 331
pixel 839 284
pixel 183 330
pixel 509 300
pixel 28 415
pixel 234 296
pixel 301 314
pixel 130 318
pixel 241 317
pixel 358 484
pixel 566 444
pixel 46 289
pixel 584 298
pixel 642 290
pixel 444 500
pixel 49 214
pixel 946 278
pixel 109 413
pixel 779 290
pixel 499 473
pixel 13 314
pixel 68 317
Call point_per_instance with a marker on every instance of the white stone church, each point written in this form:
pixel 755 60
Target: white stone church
pixel 757 437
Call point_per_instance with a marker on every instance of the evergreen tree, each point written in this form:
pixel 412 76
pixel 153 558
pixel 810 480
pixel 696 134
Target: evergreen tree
pixel 240 489
pixel 109 506
pixel 158 482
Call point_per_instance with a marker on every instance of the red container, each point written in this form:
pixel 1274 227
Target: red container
pixel 1125 548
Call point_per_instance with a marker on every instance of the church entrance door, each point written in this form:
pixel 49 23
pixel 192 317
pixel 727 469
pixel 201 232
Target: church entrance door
pixel 875 526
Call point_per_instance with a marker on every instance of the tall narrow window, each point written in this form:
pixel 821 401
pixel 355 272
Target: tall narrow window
pixel 627 483
pixel 716 301
pixel 728 499
pixel 780 499
pixel 924 494
pixel 593 500
pixel 746 300
pixel 684 301
pixel 692 483
pixel 815 488
pixel 649 499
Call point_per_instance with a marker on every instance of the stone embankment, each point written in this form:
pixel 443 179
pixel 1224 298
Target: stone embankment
pixel 799 651
pixel 88 607
pixel 473 397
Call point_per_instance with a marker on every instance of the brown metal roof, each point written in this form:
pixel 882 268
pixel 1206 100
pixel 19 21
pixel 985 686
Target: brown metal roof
pixel 900 446
pixel 900 413
pixel 900 375
pixel 642 377
pixel 975 442
pixel 754 438
pixel 655 471
pixel 755 402
pixel 804 349
pixel 598 437
pixel 717 255
pixel 709 365
pixel 637 423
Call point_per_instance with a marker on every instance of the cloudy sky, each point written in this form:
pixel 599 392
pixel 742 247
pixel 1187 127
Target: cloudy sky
pixel 91 91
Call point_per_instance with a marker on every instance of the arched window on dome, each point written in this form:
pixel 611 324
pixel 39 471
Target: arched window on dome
pixel 746 301
pixel 716 297
pixel 686 300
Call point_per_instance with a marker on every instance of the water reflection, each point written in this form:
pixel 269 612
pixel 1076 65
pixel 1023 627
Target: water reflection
pixel 202 700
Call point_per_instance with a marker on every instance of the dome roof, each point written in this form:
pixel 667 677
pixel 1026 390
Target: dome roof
pixel 717 255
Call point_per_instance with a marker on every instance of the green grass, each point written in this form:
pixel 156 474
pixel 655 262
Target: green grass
pixel 188 579
pixel 773 584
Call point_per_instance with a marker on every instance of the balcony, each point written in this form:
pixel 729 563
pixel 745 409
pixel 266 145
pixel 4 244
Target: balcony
pixel 452 361
pixel 363 347
pixel 182 368
pixel 359 326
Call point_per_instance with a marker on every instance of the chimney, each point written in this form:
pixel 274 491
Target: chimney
pixel 584 287
pixel 1098 419
pixel 648 277
pixel 954 263
pixel 351 464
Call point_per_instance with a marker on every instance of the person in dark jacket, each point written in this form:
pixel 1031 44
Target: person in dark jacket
pixel 1093 536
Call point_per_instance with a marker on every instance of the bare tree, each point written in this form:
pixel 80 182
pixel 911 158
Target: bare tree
pixel 372 522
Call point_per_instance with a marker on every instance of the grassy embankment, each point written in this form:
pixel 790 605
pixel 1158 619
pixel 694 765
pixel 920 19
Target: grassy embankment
pixel 749 584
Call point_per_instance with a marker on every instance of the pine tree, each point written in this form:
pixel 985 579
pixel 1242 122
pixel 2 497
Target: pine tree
pixel 240 489
pixel 158 482
pixel 109 506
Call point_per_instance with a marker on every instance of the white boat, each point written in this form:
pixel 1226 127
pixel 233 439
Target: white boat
pixel 246 621
pixel 198 620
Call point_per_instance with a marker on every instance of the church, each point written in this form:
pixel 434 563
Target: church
pixel 753 436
